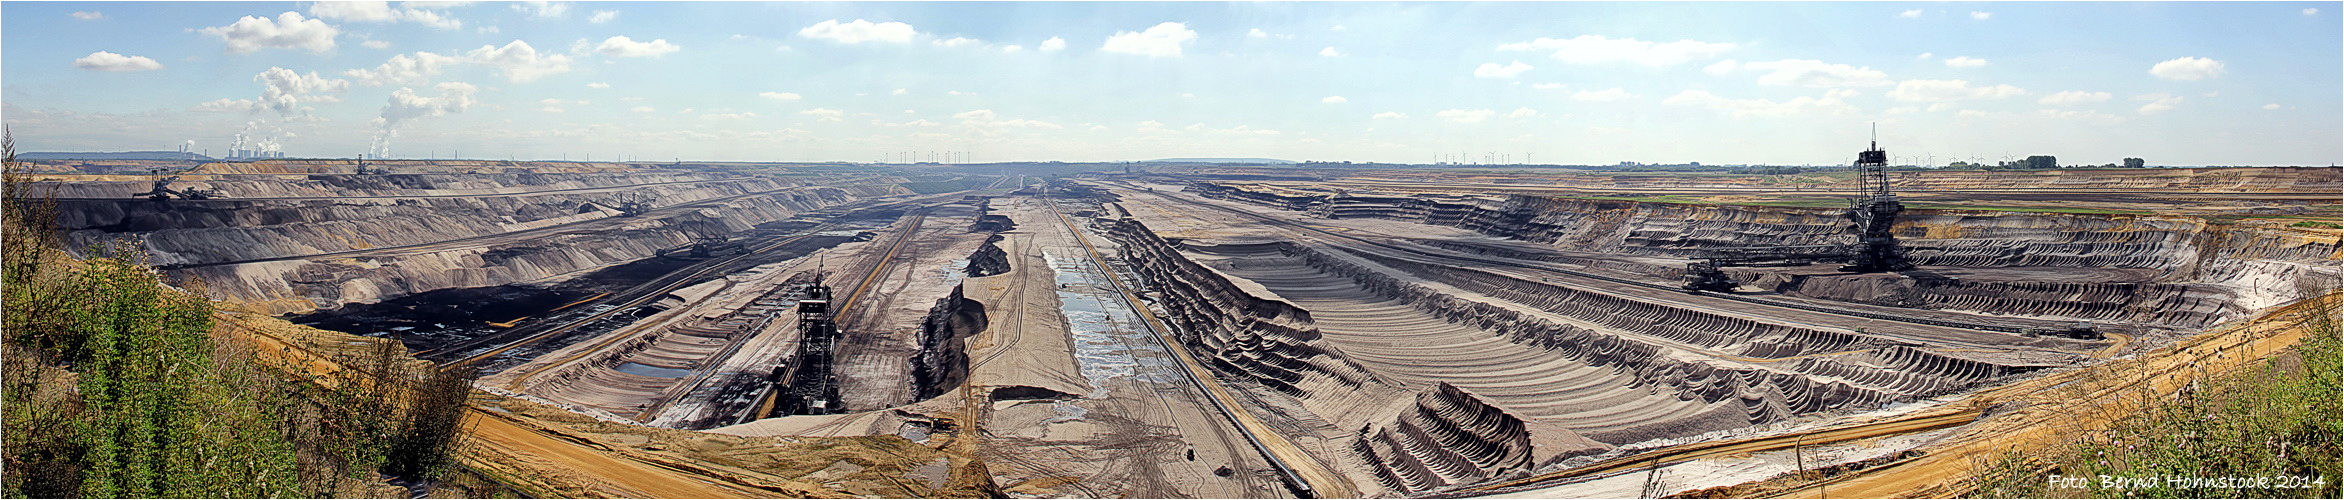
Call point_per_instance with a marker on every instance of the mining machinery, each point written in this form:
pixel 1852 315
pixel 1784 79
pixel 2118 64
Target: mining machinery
pixel 1873 219
pixel 162 189
pixel 805 385
pixel 707 246
pixel 631 204
pixel 1874 216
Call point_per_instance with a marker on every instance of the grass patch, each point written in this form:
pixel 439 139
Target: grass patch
pixel 2274 425
pixel 2317 224
pixel 2049 210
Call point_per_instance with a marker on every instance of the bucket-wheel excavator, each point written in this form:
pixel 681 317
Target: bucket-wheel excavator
pixel 1873 218
pixel 162 189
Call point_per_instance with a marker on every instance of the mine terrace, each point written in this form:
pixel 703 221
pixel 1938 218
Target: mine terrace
pixel 1235 331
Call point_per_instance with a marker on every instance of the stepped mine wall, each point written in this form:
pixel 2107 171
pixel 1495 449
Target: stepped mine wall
pixel 2260 265
pixel 1760 394
pixel 1451 436
pixel 1264 340
pixel 943 361
pixel 2192 180
pixel 303 285
pixel 407 184
pixel 182 233
pixel 2309 180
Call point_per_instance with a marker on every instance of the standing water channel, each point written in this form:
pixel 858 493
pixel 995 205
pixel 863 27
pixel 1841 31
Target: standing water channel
pixel 1109 340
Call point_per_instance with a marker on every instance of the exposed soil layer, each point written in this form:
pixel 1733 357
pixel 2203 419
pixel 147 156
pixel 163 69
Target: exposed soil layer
pixel 2203 271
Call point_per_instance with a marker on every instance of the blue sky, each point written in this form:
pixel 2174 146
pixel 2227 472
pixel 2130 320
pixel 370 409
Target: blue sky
pixel 2217 83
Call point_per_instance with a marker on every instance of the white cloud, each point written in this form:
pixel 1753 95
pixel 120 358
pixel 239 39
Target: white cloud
pixel 603 16
pixel 1813 73
pixel 94 15
pixel 2158 103
pixel 986 119
pixel 1588 49
pixel 1980 15
pixel 744 115
pixel 555 105
pixel 957 42
pixel 1910 14
pixel 405 106
pixel 1161 40
pixel 1493 70
pixel 2188 68
pixel 109 61
pixel 381 12
pixel 1802 105
pixel 1388 115
pixel 375 44
pixel 487 30
pixel 1012 49
pixel 1613 94
pixel 1329 52
pixel 282 90
pixel 2074 97
pixel 403 69
pixel 225 105
pixel 541 8
pixel 901 91
pixel 1522 113
pixel 1721 68
pixel 2271 106
pixel 620 46
pixel 287 31
pixel 1926 55
pixel 2306 12
pixel 643 109
pixel 1949 90
pixel 519 62
pixel 1054 44
pixel 1258 33
pixel 1334 99
pixel 915 123
pixel 1964 62
pixel 958 93
pixel 780 96
pixel 824 114
pixel 598 85
pixel 860 31
pixel 1548 86
pixel 1465 115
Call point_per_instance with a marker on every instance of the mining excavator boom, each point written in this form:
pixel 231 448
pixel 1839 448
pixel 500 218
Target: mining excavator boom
pixel 1873 215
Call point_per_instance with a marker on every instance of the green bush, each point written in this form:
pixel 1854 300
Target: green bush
pixel 115 386
pixel 2276 419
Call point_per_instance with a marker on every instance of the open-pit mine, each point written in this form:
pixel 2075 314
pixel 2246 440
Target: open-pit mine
pixel 1180 330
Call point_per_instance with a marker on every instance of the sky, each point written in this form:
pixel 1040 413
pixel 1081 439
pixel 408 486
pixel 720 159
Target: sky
pixel 1594 83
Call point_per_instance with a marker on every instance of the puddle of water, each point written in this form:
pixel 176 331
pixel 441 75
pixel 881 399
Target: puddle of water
pixel 1109 342
pixel 1066 412
pixel 633 368
pixel 955 271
